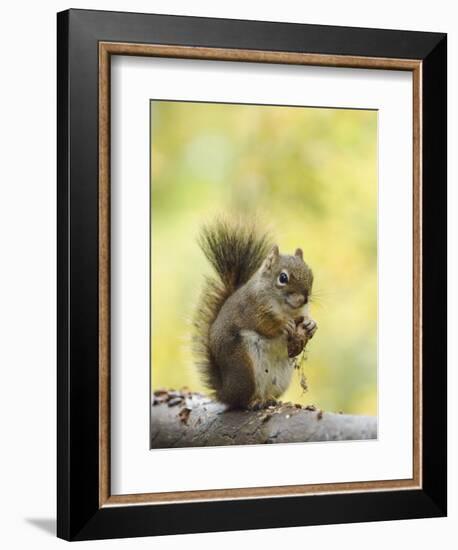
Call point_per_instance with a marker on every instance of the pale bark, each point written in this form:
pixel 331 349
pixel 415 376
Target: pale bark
pixel 185 419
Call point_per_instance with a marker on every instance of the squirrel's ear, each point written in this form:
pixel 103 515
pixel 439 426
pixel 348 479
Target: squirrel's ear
pixel 299 253
pixel 271 259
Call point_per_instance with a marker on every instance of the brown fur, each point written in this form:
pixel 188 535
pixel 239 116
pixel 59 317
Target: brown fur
pixel 247 297
pixel 235 252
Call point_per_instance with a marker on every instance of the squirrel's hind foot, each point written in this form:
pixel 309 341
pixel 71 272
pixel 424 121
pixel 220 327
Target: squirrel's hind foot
pixel 260 405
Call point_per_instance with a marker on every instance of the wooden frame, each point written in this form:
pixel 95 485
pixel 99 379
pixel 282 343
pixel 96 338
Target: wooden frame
pixel 84 273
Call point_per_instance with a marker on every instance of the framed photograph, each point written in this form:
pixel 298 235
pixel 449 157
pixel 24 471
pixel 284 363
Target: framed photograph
pixel 251 274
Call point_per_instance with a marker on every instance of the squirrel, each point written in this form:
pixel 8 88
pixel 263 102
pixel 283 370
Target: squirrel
pixel 253 318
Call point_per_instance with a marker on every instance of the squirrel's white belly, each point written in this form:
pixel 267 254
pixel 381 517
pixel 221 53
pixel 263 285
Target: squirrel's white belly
pixel 272 366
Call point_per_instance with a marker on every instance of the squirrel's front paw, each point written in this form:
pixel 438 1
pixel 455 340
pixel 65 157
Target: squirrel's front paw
pixel 290 328
pixel 310 327
pixel 298 340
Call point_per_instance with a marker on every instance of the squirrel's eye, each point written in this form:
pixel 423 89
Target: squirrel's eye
pixel 283 278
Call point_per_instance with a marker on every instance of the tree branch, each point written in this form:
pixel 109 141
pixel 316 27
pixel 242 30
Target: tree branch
pixel 185 419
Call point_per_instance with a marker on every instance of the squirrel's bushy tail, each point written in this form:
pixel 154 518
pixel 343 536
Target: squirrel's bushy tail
pixel 235 251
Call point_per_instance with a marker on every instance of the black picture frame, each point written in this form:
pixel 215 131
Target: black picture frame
pixel 79 514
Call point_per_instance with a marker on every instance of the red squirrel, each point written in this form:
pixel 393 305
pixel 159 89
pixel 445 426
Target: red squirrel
pixel 252 317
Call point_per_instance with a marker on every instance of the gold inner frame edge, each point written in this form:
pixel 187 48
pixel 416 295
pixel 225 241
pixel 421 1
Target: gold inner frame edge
pixel 106 50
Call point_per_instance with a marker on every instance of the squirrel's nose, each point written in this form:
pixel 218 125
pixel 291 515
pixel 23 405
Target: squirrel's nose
pixel 295 299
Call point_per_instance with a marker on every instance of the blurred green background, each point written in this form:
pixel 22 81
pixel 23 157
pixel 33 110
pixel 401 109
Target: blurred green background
pixel 309 175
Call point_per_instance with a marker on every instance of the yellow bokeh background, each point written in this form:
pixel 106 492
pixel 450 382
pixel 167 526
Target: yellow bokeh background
pixel 309 176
